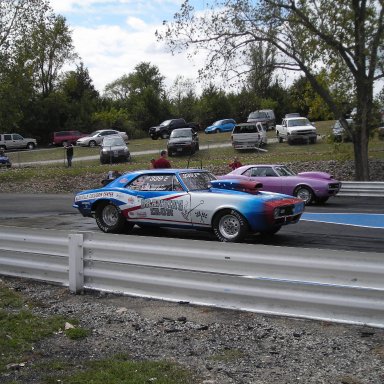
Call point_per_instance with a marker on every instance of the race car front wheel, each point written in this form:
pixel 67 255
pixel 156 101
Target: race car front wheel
pixel 110 220
pixel 230 226
pixel 304 193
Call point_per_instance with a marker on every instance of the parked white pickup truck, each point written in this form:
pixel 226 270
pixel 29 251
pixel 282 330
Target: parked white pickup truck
pixel 296 129
pixel 16 141
pixel 249 136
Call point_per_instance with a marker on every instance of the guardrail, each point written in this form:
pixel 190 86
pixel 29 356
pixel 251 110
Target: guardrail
pixel 362 188
pixel 345 287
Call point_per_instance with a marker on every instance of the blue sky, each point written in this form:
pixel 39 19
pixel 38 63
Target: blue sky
pixel 113 36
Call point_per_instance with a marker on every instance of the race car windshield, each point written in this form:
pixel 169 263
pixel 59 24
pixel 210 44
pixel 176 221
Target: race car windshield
pixel 197 181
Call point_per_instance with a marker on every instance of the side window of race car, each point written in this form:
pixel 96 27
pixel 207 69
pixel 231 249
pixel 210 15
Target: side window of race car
pixel 252 172
pixel 176 185
pixel 152 182
pixel 136 184
pixel 258 172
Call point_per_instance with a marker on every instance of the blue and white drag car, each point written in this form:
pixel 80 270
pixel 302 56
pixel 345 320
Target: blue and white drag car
pixel 188 198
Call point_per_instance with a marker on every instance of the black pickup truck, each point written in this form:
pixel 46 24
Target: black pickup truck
pixel 166 127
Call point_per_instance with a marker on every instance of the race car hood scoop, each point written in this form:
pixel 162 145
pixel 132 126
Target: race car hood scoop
pixel 247 186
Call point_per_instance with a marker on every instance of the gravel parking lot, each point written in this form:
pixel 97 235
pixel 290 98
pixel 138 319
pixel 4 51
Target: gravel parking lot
pixel 219 346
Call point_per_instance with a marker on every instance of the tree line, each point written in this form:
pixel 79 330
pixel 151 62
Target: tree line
pixel 337 51
pixel 37 97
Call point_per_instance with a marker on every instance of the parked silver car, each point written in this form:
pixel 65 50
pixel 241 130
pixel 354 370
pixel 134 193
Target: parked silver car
pixel 114 150
pixel 95 138
pixel 338 132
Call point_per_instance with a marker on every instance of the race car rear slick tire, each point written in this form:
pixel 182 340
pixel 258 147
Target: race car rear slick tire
pixel 230 226
pixel 304 193
pixel 110 219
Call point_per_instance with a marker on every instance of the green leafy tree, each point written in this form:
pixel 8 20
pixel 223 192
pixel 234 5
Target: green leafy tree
pixel 81 98
pixel 183 99
pixel 18 18
pixel 307 101
pixel 213 105
pixel 242 104
pixel 49 48
pixel 261 68
pixel 346 39
pixel 142 93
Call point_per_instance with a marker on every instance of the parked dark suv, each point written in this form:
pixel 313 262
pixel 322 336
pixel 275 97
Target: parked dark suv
pixel 183 141
pixel 166 127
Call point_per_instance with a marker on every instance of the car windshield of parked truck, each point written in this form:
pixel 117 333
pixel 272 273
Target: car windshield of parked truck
pixel 115 140
pixel 166 122
pixel 181 133
pixel 258 115
pixel 284 171
pixel 197 181
pixel 298 122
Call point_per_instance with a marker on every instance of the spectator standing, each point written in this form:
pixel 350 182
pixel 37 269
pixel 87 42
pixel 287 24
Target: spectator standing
pixel 152 163
pixel 69 152
pixel 235 164
pixel 162 161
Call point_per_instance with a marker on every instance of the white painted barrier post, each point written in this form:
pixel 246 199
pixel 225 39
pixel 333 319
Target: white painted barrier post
pixel 76 263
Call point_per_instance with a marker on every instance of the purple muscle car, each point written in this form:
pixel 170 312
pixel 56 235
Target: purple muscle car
pixel 309 186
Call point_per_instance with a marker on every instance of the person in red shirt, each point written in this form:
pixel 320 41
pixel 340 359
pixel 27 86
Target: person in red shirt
pixel 162 161
pixel 235 164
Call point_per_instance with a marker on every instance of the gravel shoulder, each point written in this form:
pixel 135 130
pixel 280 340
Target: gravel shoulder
pixel 219 346
pixel 341 170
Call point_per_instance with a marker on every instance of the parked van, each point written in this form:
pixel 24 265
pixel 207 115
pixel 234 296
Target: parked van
pixel 249 135
pixel 266 116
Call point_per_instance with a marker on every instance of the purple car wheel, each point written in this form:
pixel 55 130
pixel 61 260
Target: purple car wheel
pixel 305 194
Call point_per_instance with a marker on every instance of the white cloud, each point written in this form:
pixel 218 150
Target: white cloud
pixel 136 23
pixel 113 36
pixel 111 51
